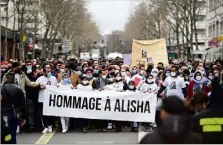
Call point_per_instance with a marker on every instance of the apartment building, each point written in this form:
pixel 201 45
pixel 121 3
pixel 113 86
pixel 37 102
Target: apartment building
pixel 8 8
pixel 201 25
pixel 9 27
pixel 215 29
pixel 25 14
pixel 175 51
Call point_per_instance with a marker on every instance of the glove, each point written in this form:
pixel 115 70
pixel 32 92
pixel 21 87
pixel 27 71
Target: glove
pixel 29 71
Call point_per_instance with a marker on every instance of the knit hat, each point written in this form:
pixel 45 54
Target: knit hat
pixel 4 63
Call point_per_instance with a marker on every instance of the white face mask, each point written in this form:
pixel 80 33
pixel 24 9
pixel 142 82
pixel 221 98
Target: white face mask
pixel 167 74
pixel 155 74
pixel 123 74
pixel 149 80
pixel 131 87
pixel 173 74
pixel 104 76
pixel 198 78
pixel 210 77
pixel 118 78
pixel 85 82
pixel 116 71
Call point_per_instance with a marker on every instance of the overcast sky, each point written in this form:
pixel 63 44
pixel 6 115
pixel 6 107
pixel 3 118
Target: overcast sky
pixel 110 14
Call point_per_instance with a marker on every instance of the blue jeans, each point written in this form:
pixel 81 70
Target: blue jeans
pixel 13 123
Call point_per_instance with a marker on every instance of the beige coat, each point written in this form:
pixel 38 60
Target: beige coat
pixel 73 77
pixel 24 80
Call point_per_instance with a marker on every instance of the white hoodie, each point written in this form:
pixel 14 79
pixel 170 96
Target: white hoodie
pixel 151 88
pixel 88 87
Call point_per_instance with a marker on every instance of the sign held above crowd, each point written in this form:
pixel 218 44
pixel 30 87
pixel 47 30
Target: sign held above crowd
pixel 153 49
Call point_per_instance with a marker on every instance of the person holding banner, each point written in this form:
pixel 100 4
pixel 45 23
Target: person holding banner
pixel 85 84
pixel 90 76
pixel 99 84
pixel 149 86
pixel 174 84
pixel 66 82
pixel 130 86
pixel 139 78
pixel 46 79
pixel 119 84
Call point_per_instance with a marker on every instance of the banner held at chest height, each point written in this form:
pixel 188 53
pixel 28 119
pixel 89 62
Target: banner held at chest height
pixel 106 105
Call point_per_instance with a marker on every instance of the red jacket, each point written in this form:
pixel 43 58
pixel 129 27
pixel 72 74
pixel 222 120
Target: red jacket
pixel 205 89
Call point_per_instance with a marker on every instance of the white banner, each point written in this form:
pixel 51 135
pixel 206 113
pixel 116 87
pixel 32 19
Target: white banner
pixel 105 105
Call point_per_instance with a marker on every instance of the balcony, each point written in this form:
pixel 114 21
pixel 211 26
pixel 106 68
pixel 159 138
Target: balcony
pixel 201 25
pixel 201 38
pixel 3 13
pixel 202 11
pixel 30 25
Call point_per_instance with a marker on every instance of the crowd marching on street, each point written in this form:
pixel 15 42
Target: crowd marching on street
pixel 189 96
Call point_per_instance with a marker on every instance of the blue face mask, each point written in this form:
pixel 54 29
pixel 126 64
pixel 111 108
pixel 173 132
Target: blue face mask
pixel 66 81
pixel 96 71
pixel 89 76
pixel 49 74
pixel 62 70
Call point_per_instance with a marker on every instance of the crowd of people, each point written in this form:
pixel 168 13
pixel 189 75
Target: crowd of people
pixel 187 92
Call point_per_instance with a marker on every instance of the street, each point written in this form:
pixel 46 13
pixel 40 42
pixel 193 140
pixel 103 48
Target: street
pixel 77 137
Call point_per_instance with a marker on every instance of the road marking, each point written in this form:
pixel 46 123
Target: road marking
pixel 95 142
pixel 45 138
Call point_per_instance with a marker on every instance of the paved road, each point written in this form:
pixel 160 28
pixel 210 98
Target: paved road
pixel 76 137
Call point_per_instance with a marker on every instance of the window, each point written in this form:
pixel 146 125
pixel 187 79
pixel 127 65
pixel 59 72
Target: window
pixel 200 18
pixel 210 5
pixel 210 30
pixel 217 28
pixel 200 31
pixel 221 27
pixel 3 19
pixel 30 20
pixel 4 1
pixel 29 30
pixel 3 5
pixel 214 30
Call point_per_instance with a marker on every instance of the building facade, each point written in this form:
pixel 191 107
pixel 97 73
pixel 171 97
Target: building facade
pixel 215 29
pixel 22 16
pixel 178 49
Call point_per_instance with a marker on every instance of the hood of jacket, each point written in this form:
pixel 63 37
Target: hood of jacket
pixel 203 79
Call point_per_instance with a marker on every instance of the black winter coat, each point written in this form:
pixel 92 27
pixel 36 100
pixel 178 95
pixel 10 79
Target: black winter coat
pixel 13 95
pixel 174 130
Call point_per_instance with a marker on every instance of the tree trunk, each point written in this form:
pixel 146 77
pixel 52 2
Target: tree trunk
pixel 6 31
pixel 14 35
pixel 21 32
pixel 177 31
pixel 34 38
pixel 194 22
pixel 43 52
pixel 191 25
